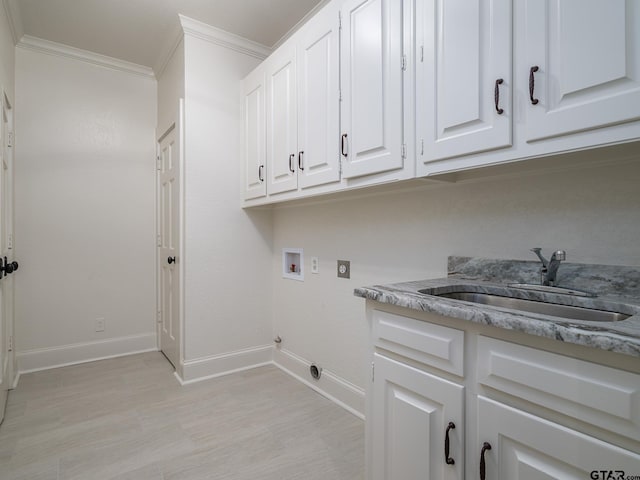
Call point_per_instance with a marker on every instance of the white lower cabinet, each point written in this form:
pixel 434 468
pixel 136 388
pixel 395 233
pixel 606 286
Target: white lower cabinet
pixel 514 445
pixel 453 403
pixel 417 418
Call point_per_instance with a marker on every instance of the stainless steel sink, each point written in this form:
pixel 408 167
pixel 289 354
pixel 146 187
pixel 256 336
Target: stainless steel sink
pixel 541 307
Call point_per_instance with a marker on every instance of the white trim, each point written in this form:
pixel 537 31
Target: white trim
pixel 223 38
pixel 4 395
pixel 337 389
pixel 171 45
pixel 52 48
pixel 217 365
pixel 300 23
pixel 182 247
pixel 15 19
pixel 15 381
pixel 46 358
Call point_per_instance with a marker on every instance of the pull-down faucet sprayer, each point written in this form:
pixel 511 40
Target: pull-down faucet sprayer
pixel 549 267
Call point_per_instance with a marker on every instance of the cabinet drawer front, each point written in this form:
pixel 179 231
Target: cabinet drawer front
pixel 434 345
pixel 599 395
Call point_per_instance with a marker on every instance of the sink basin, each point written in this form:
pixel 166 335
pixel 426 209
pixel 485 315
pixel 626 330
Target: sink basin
pixel 504 300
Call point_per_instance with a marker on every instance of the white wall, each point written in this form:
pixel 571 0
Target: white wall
pixel 7 50
pixel 85 210
pixel 170 89
pixel 593 214
pixel 227 249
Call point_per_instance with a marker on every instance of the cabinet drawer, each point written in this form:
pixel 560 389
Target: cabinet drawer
pixel 434 345
pixel 599 395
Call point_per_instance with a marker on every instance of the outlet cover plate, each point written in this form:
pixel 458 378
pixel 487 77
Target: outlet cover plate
pixel 344 269
pixel 100 324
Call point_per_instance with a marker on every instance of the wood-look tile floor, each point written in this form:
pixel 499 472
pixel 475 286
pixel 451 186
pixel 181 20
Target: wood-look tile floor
pixel 128 418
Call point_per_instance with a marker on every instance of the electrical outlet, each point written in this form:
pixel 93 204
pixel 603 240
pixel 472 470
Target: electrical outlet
pixel 100 324
pixel 314 265
pixel 344 269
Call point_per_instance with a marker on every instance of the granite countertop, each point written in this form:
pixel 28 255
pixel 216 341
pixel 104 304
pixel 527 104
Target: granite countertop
pixel 617 289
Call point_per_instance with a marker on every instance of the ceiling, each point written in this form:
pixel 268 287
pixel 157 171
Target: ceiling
pixel 138 31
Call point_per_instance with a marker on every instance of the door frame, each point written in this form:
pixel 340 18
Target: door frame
pixel 8 247
pixel 161 132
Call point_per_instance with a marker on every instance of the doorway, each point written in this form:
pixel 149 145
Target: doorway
pixel 7 355
pixel 169 257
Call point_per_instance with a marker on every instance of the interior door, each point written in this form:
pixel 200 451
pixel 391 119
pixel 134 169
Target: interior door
pixel 6 248
pixel 169 243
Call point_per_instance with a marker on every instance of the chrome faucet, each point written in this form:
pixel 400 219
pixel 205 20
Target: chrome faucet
pixel 549 267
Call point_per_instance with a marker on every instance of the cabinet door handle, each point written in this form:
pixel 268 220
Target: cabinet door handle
pixel 447 458
pixel 532 84
pixel 485 446
pixel 260 173
pixel 343 144
pixel 300 154
pixel 291 157
pixel 496 95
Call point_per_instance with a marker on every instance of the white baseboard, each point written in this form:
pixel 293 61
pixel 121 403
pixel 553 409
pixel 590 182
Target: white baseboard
pixel 335 388
pixel 46 358
pixel 217 365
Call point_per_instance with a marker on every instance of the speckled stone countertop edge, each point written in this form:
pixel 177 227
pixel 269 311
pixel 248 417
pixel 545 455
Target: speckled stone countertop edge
pixel 620 337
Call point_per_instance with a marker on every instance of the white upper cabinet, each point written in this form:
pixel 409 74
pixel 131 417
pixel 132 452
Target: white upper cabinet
pixel 282 120
pixel 463 77
pixel 583 60
pixel 318 159
pixel 371 84
pixel 254 135
pixel 373 91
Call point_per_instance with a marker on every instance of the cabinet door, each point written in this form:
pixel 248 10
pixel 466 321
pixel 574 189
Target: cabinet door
pixel 371 83
pixel 526 447
pixel 587 54
pixel 463 77
pixel 282 122
pixel 254 148
pixel 411 411
pixel 318 102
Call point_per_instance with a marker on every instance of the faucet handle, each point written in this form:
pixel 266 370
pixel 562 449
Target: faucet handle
pixel 537 250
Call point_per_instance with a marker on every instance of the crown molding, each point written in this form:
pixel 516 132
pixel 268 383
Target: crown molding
pixel 300 23
pixel 223 38
pixel 14 19
pixel 52 48
pixel 171 44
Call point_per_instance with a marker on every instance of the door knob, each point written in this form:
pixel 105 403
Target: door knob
pixel 6 268
pixel 171 260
